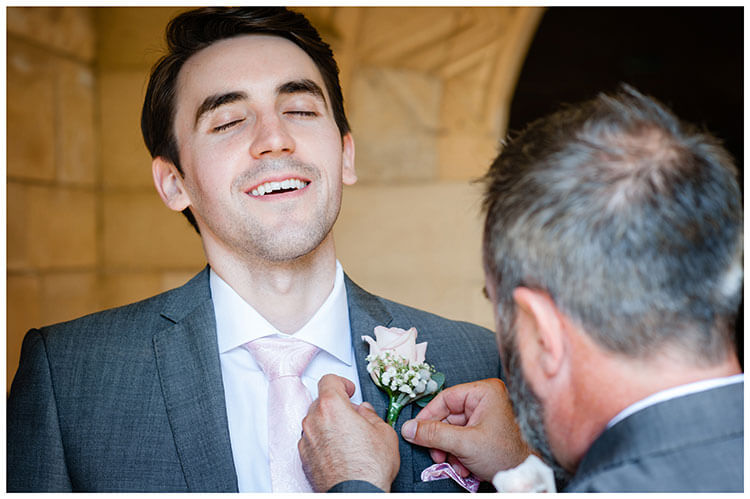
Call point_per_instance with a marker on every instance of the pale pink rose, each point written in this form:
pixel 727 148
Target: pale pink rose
pixel 399 342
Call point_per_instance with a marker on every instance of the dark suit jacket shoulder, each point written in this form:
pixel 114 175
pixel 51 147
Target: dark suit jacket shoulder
pixel 127 399
pixel 692 443
pixel 465 351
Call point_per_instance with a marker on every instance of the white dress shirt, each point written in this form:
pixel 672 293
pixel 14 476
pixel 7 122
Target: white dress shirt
pixel 677 391
pixel 245 385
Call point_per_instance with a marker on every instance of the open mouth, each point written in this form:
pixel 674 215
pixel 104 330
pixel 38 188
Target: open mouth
pixel 278 187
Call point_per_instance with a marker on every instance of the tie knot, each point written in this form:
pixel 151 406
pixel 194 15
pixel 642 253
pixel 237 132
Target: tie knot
pixel 279 357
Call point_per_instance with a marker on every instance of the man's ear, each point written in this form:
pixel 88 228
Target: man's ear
pixel 168 183
pixel 348 174
pixel 541 333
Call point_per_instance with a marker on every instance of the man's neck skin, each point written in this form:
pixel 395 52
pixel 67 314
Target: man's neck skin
pixel 287 294
pixel 603 384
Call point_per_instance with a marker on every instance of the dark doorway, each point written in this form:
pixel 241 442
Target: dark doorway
pixel 690 58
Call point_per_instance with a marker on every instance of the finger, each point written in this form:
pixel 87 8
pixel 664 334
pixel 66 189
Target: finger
pixel 452 400
pixel 462 470
pixel 436 435
pixel 438 456
pixel 435 410
pixel 456 419
pixel 332 384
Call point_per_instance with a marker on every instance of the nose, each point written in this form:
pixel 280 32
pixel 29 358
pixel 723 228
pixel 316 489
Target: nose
pixel 271 138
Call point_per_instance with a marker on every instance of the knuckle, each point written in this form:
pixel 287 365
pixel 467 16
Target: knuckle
pixel 326 404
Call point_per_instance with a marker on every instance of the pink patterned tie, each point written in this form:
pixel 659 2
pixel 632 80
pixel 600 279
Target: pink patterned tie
pixel 283 360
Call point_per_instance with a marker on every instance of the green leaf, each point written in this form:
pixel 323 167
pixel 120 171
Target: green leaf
pixel 440 380
pixel 425 400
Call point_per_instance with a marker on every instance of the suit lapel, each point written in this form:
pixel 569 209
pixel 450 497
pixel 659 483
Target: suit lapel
pixel 365 312
pixel 187 358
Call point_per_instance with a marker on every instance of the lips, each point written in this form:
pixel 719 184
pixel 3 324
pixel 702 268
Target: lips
pixel 272 187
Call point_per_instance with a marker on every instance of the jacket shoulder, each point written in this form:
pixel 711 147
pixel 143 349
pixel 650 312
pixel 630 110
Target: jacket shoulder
pixel 690 443
pixel 463 351
pixel 405 313
pixel 713 467
pixel 144 316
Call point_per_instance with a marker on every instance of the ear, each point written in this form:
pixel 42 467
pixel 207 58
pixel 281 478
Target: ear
pixel 348 174
pixel 168 183
pixel 541 334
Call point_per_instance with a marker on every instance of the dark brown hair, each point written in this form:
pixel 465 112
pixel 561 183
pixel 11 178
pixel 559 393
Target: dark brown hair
pixel 195 30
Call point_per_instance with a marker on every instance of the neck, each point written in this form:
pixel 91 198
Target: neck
pixel 660 372
pixel 606 383
pixel 288 293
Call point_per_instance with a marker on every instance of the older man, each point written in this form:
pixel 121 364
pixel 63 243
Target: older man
pixel 613 259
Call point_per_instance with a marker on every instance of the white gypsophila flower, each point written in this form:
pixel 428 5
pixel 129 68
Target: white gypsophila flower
pixel 400 375
pixel 432 386
pixel 406 389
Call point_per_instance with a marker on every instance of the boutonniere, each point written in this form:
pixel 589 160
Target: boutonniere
pixel 397 366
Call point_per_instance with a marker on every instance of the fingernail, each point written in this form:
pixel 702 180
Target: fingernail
pixel 368 405
pixel 409 429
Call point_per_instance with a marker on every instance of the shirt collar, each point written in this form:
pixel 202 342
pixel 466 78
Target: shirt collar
pixel 237 322
pixel 677 391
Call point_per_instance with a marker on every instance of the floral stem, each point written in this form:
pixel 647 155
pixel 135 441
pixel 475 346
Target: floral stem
pixel 394 409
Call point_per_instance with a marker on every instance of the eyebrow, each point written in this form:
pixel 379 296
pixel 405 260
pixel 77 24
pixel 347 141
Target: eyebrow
pixel 214 101
pixel 301 86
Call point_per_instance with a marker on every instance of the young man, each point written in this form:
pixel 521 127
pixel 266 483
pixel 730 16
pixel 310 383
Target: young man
pixel 245 123
pixel 613 258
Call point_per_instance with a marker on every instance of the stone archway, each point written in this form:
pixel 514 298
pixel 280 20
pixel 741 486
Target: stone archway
pixel 428 89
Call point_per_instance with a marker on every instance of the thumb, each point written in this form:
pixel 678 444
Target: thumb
pixel 435 435
pixel 330 383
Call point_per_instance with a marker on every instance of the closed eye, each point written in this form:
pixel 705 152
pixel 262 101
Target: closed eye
pixel 227 125
pixel 307 114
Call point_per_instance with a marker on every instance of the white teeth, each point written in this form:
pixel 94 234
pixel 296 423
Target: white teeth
pixel 268 187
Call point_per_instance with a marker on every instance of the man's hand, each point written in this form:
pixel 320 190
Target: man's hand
pixel 343 441
pixel 472 427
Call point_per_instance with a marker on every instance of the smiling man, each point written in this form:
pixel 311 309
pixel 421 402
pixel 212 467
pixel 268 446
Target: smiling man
pixel 184 391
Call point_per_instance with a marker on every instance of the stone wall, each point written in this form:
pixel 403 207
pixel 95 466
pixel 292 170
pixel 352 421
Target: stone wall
pixel 52 174
pixel 427 91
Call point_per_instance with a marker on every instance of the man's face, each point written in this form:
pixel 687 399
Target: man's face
pixel 527 406
pixel 263 160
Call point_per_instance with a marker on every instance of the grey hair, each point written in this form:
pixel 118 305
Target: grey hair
pixel 630 219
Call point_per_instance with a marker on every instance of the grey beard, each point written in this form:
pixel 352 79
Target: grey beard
pixel 529 411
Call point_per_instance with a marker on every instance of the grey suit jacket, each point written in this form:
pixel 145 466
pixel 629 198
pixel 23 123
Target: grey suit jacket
pixel 131 399
pixel 692 443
